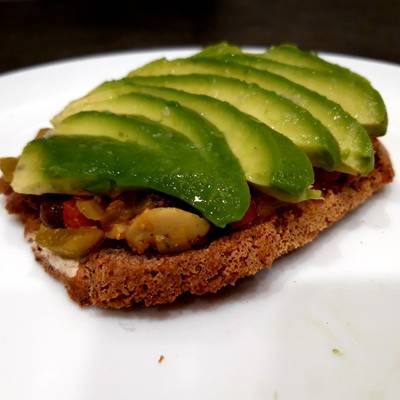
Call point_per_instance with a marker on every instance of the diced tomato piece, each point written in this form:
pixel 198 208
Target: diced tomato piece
pixel 248 218
pixel 73 218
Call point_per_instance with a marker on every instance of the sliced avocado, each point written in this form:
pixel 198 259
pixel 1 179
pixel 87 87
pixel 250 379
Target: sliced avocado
pixel 269 160
pixel 203 134
pixel 355 146
pixel 292 55
pixel 217 50
pixel 357 97
pixel 283 53
pixel 138 129
pixel 275 111
pixel 122 128
pixel 208 140
pixel 89 163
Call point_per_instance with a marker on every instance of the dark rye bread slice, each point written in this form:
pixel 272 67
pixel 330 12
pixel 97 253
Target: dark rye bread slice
pixel 117 278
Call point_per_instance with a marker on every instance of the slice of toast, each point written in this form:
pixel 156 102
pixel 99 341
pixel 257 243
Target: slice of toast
pixel 117 278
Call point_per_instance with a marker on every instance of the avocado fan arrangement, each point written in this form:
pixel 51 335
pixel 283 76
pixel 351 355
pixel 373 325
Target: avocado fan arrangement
pixel 204 128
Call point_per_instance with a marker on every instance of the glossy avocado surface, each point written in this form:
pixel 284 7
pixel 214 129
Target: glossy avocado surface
pixel 357 97
pixel 290 54
pixel 353 92
pixel 204 135
pixel 273 110
pixel 95 152
pixel 268 159
pixel 354 143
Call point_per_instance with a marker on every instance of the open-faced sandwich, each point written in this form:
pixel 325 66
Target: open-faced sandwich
pixel 186 175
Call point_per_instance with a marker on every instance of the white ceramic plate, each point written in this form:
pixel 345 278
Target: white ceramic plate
pixel 323 324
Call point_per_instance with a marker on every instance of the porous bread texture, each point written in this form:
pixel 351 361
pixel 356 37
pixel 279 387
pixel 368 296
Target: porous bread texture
pixel 117 278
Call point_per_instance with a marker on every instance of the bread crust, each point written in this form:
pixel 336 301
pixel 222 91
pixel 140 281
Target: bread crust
pixel 117 278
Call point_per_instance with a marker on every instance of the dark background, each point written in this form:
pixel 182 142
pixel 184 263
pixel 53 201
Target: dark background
pixel 37 31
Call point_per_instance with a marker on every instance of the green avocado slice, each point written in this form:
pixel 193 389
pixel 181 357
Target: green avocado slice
pixel 292 55
pixel 275 111
pixel 94 152
pixel 355 146
pixel 280 114
pixel 205 136
pixel 269 160
pixel 353 92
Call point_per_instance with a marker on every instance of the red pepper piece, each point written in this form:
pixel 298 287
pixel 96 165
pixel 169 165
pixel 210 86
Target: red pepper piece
pixel 73 218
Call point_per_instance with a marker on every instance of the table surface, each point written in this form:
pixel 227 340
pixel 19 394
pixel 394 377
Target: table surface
pixel 39 31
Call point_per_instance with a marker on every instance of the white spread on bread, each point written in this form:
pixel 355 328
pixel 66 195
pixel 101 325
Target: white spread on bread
pixel 67 267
